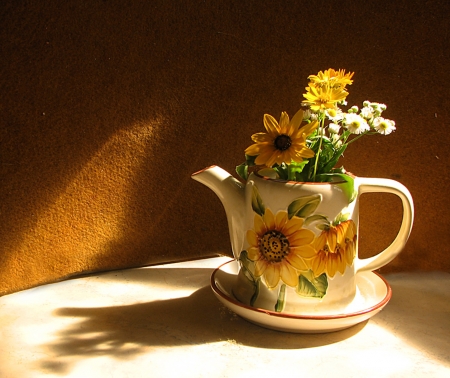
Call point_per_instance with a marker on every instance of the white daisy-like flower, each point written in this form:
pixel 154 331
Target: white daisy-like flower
pixel 334 115
pixel 356 124
pixel 366 112
pixel 383 126
pixel 334 128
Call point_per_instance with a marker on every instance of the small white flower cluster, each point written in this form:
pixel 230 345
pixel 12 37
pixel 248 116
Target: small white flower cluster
pixel 355 121
pixel 368 118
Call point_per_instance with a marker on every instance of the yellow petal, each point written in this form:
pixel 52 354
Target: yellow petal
pixel 331 266
pixel 267 156
pixel 272 275
pixel 293 225
pixel 351 229
pixel 350 252
pixel 283 157
pixel 280 220
pixel 301 237
pixel 303 152
pixel 288 274
pixel 297 119
pixel 271 124
pixel 341 230
pixel 297 261
pixel 341 265
pixel 260 267
pixel 269 220
pixel 260 226
pixel 309 128
pixel 262 138
pixel 318 266
pixel 252 238
pixel 331 238
pixel 253 253
pixel 304 251
pixel 320 242
pixel 253 150
pixel 283 125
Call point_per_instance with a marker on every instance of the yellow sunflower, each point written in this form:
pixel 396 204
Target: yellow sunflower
pixel 335 249
pixel 279 247
pixel 284 141
pixel 331 78
pixel 321 98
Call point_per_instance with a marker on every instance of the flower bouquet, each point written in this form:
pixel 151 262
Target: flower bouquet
pixel 307 147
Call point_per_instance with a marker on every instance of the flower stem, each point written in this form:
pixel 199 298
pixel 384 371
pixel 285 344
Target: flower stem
pixel 359 136
pixel 321 129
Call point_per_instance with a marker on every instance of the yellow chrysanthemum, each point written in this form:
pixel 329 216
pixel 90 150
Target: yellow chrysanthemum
pixel 279 247
pixel 321 98
pixel 335 249
pixel 284 141
pixel 332 79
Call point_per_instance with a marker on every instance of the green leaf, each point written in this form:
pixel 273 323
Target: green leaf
pixel 242 170
pixel 322 221
pixel 257 203
pixel 250 160
pixel 249 290
pixel 347 183
pixel 348 187
pixel 282 171
pixel 334 159
pixel 245 263
pixel 310 286
pixel 304 206
pixel 295 170
pixel 341 218
pixel 281 301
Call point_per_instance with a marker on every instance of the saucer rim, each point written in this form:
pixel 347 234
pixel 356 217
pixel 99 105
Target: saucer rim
pixel 291 315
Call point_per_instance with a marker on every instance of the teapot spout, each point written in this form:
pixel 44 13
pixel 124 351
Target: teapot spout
pixel 231 193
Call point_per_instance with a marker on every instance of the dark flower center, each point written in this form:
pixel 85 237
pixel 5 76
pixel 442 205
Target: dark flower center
pixel 282 142
pixel 274 246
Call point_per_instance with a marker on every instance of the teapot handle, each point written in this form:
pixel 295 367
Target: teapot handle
pixel 376 185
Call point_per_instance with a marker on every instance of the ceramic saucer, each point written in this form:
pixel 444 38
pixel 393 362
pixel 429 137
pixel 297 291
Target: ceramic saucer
pixel 373 294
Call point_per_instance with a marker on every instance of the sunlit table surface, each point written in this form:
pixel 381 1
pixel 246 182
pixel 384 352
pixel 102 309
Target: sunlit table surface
pixel 164 321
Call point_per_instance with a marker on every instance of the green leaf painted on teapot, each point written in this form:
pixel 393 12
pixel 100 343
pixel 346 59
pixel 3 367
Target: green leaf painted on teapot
pixel 348 187
pixel 343 181
pixel 253 282
pixel 245 263
pixel 257 202
pixel 281 302
pixel 310 286
pixel 304 206
pixel 321 221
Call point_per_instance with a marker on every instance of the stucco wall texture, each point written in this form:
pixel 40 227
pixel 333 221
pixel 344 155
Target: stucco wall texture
pixel 107 107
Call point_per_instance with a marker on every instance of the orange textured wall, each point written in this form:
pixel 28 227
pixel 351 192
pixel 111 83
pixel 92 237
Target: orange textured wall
pixel 107 107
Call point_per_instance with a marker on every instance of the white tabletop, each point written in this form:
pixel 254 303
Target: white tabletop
pixel 164 321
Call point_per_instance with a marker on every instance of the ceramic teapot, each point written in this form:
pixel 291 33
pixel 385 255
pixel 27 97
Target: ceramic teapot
pixel 297 243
